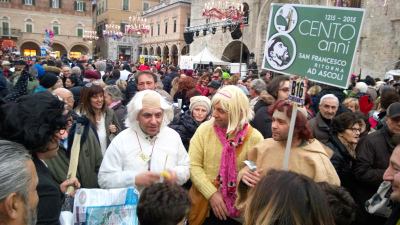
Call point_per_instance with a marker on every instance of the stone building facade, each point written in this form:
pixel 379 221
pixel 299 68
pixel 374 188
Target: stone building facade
pixel 23 24
pixel 167 23
pixel 118 12
pixel 378 51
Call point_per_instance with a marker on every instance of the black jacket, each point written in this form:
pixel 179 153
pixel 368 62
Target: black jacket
pixel 186 126
pixel 262 121
pixel 50 196
pixel 372 158
pixel 342 161
pixel 395 216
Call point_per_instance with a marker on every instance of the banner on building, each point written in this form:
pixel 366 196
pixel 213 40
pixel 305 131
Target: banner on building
pixel 313 41
pixel 186 63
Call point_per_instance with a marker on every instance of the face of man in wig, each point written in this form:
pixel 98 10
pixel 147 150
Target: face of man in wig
pixel 151 116
pixel 280 126
pixel 221 117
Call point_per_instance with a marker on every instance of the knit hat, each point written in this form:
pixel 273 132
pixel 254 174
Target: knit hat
pixel 40 70
pixel 48 80
pixel 92 74
pixel 5 63
pixel 214 84
pixel 362 87
pixel 200 101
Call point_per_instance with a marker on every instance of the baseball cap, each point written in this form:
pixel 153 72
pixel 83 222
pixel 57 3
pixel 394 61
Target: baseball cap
pixel 393 110
pixel 214 84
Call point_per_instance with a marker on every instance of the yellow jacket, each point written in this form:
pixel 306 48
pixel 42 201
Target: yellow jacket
pixel 205 151
pixel 311 159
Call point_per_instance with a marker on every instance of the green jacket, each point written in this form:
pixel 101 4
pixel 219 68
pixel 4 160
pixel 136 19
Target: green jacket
pixel 90 157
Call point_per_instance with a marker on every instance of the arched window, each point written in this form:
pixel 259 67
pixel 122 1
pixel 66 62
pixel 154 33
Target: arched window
pixel 29 25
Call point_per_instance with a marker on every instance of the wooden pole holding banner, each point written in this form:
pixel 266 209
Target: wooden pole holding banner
pixel 74 159
pixel 290 138
pixel 298 87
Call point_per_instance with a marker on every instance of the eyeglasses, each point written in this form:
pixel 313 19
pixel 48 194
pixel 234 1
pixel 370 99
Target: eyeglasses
pixel 355 130
pixel 285 89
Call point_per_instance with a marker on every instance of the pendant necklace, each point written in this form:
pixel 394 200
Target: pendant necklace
pixel 145 158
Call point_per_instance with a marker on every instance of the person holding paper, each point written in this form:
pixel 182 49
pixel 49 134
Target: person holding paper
pixel 217 151
pixel 148 149
pixel 307 156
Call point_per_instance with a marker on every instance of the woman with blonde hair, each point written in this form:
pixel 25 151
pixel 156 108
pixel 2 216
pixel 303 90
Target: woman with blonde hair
pixel 217 150
pixel 352 104
pixel 287 198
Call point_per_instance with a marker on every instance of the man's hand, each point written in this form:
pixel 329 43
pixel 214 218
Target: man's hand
pixel 169 176
pixel 70 182
pixel 251 178
pixel 218 206
pixel 146 178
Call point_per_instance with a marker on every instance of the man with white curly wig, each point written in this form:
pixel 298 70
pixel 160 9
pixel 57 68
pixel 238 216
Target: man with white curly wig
pixel 148 151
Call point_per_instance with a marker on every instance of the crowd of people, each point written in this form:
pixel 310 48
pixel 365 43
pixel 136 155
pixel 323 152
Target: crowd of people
pixel 181 138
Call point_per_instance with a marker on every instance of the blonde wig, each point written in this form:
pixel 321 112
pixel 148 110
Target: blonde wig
pixel 236 104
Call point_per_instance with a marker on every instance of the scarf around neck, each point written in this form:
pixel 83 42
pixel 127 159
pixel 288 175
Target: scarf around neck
pixel 227 171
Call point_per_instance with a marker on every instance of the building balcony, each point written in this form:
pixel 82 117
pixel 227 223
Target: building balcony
pixel 10 33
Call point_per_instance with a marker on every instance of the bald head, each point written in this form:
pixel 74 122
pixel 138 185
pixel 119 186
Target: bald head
pixel 66 95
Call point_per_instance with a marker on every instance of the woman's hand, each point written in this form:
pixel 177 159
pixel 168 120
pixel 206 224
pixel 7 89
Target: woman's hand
pixel 70 182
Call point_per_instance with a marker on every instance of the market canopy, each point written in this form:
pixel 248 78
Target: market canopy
pixel 205 57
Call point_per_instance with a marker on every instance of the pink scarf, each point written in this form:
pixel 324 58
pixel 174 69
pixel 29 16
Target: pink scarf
pixel 227 170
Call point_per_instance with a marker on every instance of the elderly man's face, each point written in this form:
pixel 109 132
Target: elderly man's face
pixel 328 108
pixel 66 71
pixel 392 174
pixel 150 120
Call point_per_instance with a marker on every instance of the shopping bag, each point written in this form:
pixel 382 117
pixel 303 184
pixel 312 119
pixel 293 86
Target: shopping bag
pixel 106 206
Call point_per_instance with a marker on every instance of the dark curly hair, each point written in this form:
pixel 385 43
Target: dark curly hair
pixel 33 120
pixel 163 203
pixel 345 121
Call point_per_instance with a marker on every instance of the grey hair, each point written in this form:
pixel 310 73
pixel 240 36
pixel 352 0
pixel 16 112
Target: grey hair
pixel 258 85
pixel 14 174
pixel 114 92
pixel 329 96
pixel 76 70
pixel 100 65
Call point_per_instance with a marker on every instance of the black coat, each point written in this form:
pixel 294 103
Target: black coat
pixel 373 155
pixel 50 196
pixel 342 161
pixel 186 126
pixel 395 216
pixel 262 121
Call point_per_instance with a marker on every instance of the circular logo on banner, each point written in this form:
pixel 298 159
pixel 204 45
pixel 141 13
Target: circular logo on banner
pixel 285 19
pixel 280 51
pixel 82 197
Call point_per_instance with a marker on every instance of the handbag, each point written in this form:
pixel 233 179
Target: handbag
pixel 380 204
